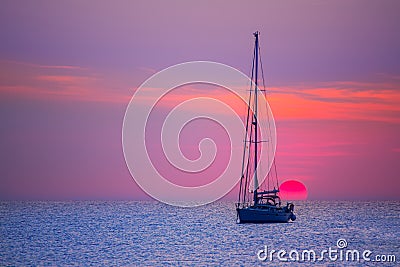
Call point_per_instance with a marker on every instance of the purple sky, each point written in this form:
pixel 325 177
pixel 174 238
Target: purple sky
pixel 68 70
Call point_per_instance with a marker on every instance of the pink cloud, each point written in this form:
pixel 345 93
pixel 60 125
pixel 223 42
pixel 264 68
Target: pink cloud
pixel 58 82
pixel 338 100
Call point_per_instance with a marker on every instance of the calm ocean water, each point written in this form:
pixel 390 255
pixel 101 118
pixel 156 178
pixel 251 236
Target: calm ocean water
pixel 154 234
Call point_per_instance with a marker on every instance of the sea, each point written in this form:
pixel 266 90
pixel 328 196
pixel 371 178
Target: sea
pixel 149 233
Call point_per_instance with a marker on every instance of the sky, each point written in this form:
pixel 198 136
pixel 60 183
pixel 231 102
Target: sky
pixel 69 69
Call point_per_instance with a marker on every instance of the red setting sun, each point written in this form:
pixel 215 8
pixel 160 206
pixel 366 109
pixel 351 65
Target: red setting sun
pixel 293 190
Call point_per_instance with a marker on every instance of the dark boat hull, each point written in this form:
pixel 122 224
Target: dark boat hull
pixel 259 215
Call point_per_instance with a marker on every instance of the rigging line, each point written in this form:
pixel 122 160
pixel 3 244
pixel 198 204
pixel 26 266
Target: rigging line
pixel 247 127
pixel 262 73
pixel 276 173
pixel 262 70
pixel 268 178
pixel 262 186
pixel 264 94
pixel 250 174
pixel 255 122
pixel 249 163
pixel 251 128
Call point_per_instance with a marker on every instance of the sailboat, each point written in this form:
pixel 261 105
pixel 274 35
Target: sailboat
pixel 258 203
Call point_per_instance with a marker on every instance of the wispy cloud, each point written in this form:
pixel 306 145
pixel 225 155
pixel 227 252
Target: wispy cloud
pixel 32 65
pixel 347 100
pixel 57 82
pixel 65 79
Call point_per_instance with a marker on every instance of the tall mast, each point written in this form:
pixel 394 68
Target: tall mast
pixel 255 122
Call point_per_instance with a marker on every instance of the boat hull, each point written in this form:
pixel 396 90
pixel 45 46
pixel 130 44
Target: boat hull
pixel 257 215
